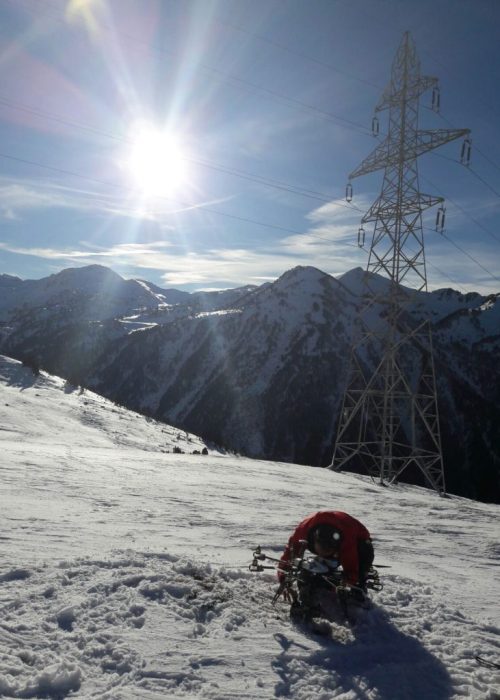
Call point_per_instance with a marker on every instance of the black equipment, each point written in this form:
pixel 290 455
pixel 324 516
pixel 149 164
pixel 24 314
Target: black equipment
pixel 305 582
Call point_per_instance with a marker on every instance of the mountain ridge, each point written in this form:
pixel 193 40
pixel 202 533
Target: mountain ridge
pixel 262 370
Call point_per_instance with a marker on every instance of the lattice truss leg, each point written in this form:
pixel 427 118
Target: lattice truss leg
pixel 389 418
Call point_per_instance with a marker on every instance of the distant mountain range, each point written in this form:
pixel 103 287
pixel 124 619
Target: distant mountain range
pixel 259 370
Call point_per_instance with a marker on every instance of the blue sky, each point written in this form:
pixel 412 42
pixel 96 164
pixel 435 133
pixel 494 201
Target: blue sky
pixel 270 104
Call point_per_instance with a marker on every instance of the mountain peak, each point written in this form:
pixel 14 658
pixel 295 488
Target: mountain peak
pixel 87 273
pixel 11 278
pixel 303 275
pixel 353 280
pixel 304 272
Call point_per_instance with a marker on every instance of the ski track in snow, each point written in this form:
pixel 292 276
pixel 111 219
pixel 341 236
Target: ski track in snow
pixel 124 568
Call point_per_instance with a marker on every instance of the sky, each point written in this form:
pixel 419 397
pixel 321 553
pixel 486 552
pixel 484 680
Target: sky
pixel 134 582
pixel 207 144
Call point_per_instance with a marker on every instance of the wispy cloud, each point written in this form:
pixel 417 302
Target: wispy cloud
pixel 466 268
pixel 17 197
pixel 204 268
pixel 26 196
pixel 7 214
pixel 328 243
pixel 138 254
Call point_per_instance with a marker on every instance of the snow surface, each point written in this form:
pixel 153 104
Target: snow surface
pixel 124 568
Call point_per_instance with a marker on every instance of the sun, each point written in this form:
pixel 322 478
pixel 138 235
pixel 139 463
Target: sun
pixel 156 162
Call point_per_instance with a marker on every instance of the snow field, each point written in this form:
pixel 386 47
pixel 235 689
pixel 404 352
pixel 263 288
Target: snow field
pixel 154 626
pixel 124 575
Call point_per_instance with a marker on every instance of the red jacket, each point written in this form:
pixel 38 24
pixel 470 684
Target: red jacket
pixel 352 531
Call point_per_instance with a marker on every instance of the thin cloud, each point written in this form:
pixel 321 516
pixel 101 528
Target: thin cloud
pixel 132 253
pixel 236 267
pixel 20 196
pixel 45 253
pixel 243 266
pixel 474 270
pixel 319 247
pixel 329 243
pixel 8 214
pixel 337 221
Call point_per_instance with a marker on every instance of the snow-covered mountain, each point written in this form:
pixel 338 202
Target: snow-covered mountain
pixel 124 568
pixel 96 292
pixel 262 370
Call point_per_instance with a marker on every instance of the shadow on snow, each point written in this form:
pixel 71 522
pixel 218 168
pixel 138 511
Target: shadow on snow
pixel 379 657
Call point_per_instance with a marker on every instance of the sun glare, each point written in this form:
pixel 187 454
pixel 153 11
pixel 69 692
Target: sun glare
pixel 156 163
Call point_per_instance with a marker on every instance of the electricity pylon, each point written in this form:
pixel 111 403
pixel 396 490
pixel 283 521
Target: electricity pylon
pixel 389 418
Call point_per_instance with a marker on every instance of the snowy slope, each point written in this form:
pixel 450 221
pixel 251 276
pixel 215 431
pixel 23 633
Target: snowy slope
pixel 124 568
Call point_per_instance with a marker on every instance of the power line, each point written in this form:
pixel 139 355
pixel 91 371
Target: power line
pixel 491 162
pixel 240 173
pixel 479 177
pixel 257 179
pixel 294 52
pixel 190 205
pixel 233 172
pixel 476 148
pixel 478 96
pixel 448 199
pixel 437 269
pixel 441 272
pixel 57 118
pixel 263 224
pixel 464 212
pixel 267 182
pixel 477 223
pixel 441 233
pixel 434 267
pixel 222 75
pixel 450 240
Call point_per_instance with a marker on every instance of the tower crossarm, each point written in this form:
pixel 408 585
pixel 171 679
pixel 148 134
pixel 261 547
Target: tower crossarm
pixel 433 138
pixel 377 159
pixel 392 96
pixel 389 152
pixel 384 209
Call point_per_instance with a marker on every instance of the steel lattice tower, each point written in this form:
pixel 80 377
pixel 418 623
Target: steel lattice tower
pixel 389 418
